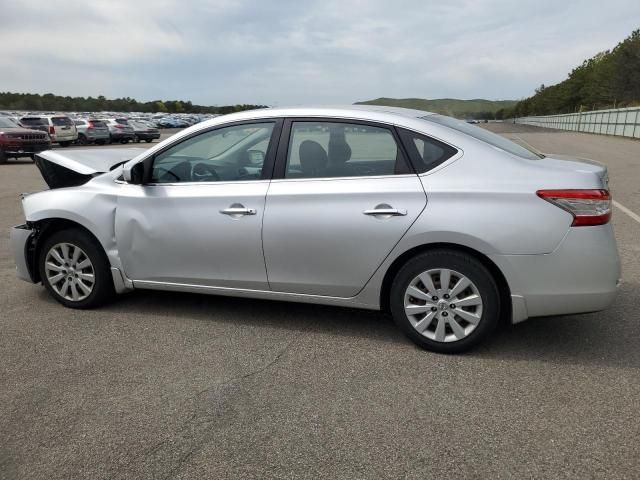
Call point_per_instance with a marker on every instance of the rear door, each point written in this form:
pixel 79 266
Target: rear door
pixel 342 197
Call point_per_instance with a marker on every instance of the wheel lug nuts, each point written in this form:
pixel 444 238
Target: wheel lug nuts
pixel 434 298
pixel 434 309
pixel 453 305
pixel 446 296
pixel 445 314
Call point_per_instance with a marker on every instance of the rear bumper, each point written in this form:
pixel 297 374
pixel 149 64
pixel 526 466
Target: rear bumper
pixel 581 275
pixel 20 240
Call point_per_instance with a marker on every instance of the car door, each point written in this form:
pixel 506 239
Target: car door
pixel 342 197
pixel 198 219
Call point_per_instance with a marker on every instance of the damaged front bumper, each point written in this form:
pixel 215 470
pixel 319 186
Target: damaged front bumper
pixel 22 243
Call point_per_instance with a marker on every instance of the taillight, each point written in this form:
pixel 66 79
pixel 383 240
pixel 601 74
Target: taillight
pixel 52 130
pixel 117 125
pixel 89 125
pixel 588 207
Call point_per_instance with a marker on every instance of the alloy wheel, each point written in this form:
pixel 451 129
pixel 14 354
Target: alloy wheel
pixel 443 305
pixel 69 271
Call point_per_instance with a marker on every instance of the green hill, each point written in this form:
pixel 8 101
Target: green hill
pixel 477 108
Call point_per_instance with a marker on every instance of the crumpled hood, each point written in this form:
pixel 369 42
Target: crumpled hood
pixel 71 168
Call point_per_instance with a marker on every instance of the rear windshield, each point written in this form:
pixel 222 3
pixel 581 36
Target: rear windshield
pixel 122 121
pixel 80 122
pixel 33 121
pixel 98 123
pixel 61 121
pixel 486 136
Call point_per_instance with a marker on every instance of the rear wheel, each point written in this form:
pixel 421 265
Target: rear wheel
pixel 75 270
pixel 65 144
pixel 82 140
pixel 148 140
pixel 445 301
pixel 3 157
pixel 124 141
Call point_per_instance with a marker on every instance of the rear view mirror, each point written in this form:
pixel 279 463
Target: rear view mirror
pixel 256 157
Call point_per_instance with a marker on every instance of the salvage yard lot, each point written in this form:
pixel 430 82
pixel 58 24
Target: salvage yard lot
pixel 164 385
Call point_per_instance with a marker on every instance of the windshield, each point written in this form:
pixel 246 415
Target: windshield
pixel 7 123
pixel 486 136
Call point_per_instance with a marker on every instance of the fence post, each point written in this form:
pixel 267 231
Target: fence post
pixel 635 124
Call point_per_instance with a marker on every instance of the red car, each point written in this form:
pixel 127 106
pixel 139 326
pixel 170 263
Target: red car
pixel 17 141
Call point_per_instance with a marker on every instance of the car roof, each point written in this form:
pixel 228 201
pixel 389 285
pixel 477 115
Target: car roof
pixel 379 113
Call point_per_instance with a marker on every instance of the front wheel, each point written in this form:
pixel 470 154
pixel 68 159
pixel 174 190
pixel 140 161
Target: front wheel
pixel 75 270
pixel 445 301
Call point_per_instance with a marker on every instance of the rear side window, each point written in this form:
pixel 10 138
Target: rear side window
pixel 333 149
pixel 425 152
pixel 61 121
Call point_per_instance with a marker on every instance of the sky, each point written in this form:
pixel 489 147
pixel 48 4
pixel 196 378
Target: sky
pixel 288 52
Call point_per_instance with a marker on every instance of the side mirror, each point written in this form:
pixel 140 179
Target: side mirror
pixel 134 174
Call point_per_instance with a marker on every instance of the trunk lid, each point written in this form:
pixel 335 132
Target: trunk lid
pixel 77 167
pixel 582 165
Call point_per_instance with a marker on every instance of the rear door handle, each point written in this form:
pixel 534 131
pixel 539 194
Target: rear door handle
pixel 234 211
pixel 395 212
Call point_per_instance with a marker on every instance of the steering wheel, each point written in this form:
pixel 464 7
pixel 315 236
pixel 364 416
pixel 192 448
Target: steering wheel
pixel 164 171
pixel 203 172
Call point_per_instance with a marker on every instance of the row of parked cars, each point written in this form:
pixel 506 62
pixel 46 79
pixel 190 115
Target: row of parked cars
pixel 30 134
pixel 23 134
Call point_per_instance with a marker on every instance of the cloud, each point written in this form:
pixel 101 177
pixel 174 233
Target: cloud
pixel 292 52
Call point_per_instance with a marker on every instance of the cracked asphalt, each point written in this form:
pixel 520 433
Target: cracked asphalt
pixel 159 385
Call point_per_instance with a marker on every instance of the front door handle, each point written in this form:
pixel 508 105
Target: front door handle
pixel 386 210
pixel 238 210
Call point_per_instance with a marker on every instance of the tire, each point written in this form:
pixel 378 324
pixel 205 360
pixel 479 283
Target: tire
pixel 450 328
pixel 3 158
pixel 82 140
pixel 100 291
pixel 124 141
pixel 148 140
pixel 65 144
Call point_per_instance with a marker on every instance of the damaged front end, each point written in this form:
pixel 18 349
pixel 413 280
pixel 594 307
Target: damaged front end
pixel 75 168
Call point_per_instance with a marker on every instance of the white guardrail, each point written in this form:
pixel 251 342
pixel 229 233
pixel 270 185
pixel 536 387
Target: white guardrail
pixel 624 122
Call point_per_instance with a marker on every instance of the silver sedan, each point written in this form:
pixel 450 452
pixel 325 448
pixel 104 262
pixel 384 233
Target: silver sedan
pixel 449 227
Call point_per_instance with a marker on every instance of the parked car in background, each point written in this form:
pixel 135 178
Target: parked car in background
pixel 17 141
pixel 329 206
pixel 60 128
pixel 92 131
pixel 142 131
pixel 120 130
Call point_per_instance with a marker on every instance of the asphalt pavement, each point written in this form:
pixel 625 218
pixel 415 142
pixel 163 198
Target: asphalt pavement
pixel 167 385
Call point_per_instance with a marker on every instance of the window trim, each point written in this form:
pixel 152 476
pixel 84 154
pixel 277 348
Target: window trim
pixel 282 154
pixel 267 166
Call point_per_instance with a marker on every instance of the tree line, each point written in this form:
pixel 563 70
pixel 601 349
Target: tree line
pixel 56 103
pixel 610 79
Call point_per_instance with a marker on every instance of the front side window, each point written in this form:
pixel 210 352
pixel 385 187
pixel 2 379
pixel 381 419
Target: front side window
pixel 333 149
pixel 234 153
